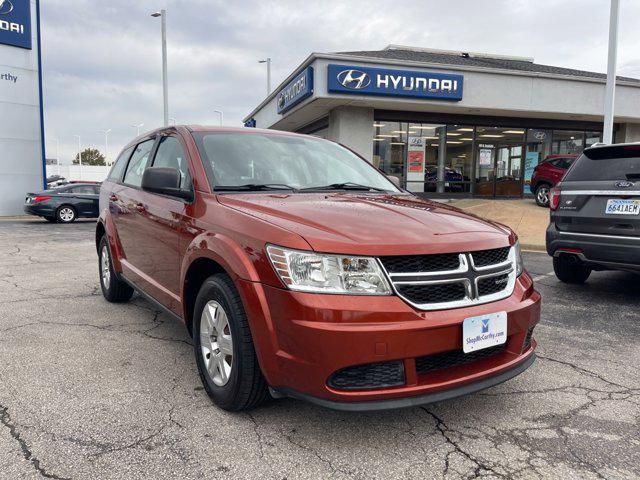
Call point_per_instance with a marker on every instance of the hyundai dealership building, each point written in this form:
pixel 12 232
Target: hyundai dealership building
pixel 449 123
pixel 21 119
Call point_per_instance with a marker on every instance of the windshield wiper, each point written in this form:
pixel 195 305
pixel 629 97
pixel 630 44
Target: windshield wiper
pixel 345 186
pixel 253 187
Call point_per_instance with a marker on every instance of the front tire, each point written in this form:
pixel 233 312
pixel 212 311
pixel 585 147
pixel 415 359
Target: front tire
pixel 573 273
pixel 223 346
pixel 66 214
pixel 542 195
pixel 113 289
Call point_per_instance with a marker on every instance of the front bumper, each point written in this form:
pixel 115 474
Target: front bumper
pixel 609 251
pixel 302 339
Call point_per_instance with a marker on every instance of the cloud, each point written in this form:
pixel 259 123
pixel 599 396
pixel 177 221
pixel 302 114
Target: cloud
pixel 102 63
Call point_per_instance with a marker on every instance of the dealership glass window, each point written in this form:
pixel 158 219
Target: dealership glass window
pixel 538 148
pixel 424 151
pixel 459 158
pixel 499 161
pixel 592 137
pixel 567 142
pixel 389 147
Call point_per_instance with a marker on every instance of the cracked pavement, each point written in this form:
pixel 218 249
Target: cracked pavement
pixel 90 389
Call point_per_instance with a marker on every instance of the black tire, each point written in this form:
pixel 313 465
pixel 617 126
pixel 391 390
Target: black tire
pixel 66 214
pixel 542 195
pixel 246 387
pixel 114 289
pixel 567 272
pixel 51 219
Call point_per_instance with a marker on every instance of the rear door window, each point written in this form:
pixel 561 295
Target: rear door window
pixel 596 169
pixel 138 164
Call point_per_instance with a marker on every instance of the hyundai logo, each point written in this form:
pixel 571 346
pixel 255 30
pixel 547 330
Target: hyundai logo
pixel 624 184
pixel 5 7
pixel 485 325
pixel 354 79
pixel 540 135
pixel 281 101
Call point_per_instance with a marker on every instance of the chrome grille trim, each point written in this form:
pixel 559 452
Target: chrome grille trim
pixel 467 273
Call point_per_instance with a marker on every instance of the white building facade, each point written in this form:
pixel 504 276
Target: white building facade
pixel 449 123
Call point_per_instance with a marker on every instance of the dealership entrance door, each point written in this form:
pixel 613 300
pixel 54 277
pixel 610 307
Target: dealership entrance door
pixel 498 154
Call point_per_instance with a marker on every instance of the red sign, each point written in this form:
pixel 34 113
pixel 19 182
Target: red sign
pixel 416 161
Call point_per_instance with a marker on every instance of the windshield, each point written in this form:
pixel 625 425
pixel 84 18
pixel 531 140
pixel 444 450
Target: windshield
pixel 257 161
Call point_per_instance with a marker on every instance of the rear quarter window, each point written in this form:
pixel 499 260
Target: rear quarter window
pixel 587 169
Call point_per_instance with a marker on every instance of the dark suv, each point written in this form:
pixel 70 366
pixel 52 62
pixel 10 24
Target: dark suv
pixel 301 270
pixel 595 214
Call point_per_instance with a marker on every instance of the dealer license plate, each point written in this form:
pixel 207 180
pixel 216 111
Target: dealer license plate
pixel 484 331
pixel 622 207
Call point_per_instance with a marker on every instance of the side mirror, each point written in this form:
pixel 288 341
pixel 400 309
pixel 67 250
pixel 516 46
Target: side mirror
pixel 165 181
pixel 395 180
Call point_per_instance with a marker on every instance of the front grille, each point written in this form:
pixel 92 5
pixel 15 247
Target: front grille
pixel 369 376
pixel 484 258
pixel 438 293
pixel 452 280
pixel 491 285
pixel 527 340
pixel 453 358
pixel 421 263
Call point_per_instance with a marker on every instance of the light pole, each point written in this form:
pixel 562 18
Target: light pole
pixel 137 127
pixel 106 145
pixel 268 62
pixel 221 116
pixel 610 89
pixel 79 155
pixel 165 86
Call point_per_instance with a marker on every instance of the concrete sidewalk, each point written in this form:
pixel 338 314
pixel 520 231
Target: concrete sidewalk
pixel 527 219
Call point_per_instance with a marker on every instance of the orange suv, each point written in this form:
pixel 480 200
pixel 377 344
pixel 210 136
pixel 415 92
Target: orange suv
pixel 300 270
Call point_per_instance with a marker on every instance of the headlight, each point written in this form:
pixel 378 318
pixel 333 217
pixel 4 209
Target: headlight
pixel 518 255
pixel 322 273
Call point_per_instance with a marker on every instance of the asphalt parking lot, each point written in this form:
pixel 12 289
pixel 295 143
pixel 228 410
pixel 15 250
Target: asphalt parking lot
pixel 90 389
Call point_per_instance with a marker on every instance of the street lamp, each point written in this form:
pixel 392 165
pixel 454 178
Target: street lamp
pixel 137 127
pixel 268 62
pixel 106 145
pixel 221 116
pixel 165 87
pixel 79 155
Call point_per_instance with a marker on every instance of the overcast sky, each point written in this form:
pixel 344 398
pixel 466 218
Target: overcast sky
pixel 102 59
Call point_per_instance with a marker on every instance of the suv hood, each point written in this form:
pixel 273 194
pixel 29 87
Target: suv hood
pixel 371 224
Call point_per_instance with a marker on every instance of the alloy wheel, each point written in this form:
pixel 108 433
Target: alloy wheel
pixel 105 267
pixel 66 214
pixel 543 195
pixel 216 343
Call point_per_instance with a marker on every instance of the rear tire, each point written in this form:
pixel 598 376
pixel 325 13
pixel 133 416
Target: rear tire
pixel 573 273
pixel 223 346
pixel 113 289
pixel 542 195
pixel 66 214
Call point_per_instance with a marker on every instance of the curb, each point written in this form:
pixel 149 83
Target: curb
pixel 533 247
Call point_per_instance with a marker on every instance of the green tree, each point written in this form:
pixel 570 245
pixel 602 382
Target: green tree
pixel 90 156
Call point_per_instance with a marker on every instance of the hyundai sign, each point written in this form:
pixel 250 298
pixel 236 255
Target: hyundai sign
pixel 15 23
pixel 296 90
pixel 396 83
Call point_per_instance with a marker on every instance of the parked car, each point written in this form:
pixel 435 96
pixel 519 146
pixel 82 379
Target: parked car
pixel 547 174
pixel 300 270
pixel 595 214
pixel 451 178
pixel 64 204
